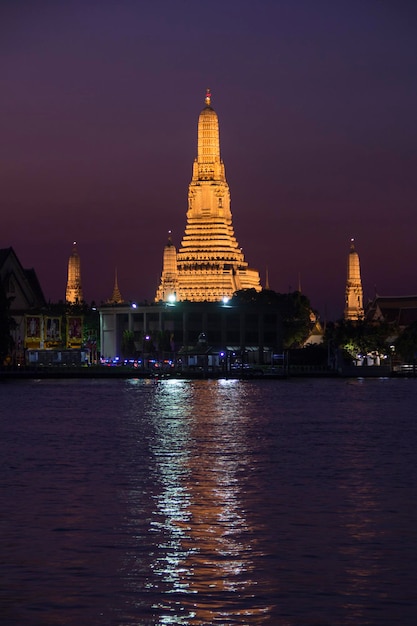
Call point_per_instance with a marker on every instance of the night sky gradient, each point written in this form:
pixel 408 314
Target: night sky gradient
pixel 317 104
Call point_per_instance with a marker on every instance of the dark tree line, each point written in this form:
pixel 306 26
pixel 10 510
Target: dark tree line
pixel 406 344
pixel 359 336
pixel 294 309
pixel 364 337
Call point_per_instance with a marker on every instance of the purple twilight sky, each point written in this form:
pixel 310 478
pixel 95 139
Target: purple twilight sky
pixel 317 103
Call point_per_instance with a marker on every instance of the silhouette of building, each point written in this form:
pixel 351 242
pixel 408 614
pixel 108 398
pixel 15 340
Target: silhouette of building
pixel 354 293
pixel 22 288
pixel 74 292
pixel 162 330
pixel 399 311
pixel 21 285
pixel 209 265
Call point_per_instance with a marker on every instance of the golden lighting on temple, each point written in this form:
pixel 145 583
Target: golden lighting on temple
pixel 74 292
pixel 209 265
pixel 354 292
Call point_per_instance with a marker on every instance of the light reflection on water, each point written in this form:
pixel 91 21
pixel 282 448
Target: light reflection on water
pixel 288 503
pixel 204 557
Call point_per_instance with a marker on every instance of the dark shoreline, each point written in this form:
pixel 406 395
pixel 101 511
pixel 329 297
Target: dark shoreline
pixel 124 372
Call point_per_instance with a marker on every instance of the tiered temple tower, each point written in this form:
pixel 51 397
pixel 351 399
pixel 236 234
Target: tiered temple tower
pixel 74 293
pixel 354 293
pixel 209 265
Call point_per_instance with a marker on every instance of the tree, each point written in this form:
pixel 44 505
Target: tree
pixel 406 343
pixel 359 336
pixel 296 311
pixel 293 308
pixel 128 344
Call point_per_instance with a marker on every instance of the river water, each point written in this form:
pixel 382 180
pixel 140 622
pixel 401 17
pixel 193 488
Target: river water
pixel 282 502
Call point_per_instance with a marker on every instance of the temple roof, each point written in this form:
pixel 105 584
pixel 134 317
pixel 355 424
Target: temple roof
pixel 27 278
pixel 401 310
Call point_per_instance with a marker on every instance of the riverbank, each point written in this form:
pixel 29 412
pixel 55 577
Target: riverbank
pixel 22 373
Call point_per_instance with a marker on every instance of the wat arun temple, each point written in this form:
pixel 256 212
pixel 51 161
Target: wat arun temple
pixel 210 265
pixel 201 276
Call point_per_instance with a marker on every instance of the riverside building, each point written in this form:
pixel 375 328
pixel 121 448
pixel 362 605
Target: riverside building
pixel 252 334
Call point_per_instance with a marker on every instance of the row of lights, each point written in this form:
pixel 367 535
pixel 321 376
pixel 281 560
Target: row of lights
pixel 172 298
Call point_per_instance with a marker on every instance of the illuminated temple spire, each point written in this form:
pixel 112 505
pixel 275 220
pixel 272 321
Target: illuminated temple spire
pixel 354 293
pixel 168 285
pixel 209 264
pixel 116 297
pixel 74 292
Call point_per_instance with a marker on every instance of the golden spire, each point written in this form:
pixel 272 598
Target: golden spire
pixel 116 296
pixel 353 293
pixel 168 285
pixel 74 292
pixel 208 165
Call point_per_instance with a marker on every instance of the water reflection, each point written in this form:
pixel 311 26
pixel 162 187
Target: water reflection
pixel 284 503
pixel 203 552
pixel 361 514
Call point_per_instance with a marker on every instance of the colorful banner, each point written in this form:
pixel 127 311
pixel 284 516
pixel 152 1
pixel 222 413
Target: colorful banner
pixel 33 327
pixel 74 331
pixel 33 331
pixel 52 329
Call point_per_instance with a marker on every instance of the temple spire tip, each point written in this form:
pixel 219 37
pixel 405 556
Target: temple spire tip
pixel 208 97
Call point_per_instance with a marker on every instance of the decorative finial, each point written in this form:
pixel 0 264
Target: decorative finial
pixel 208 97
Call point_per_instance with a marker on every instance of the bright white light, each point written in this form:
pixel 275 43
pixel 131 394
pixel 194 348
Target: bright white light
pixel 134 305
pixel 225 299
pixel 171 298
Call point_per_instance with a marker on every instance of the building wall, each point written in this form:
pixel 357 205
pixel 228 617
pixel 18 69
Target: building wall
pixel 22 287
pixel 181 325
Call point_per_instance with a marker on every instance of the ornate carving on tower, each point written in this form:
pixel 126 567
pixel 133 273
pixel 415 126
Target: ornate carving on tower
pixel 209 264
pixel 74 292
pixel 354 293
